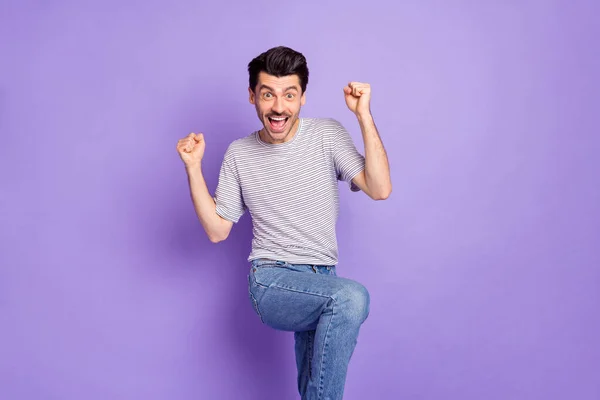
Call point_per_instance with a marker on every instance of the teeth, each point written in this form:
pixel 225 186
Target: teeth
pixel 277 119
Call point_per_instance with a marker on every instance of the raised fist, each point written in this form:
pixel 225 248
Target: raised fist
pixel 358 97
pixel 191 149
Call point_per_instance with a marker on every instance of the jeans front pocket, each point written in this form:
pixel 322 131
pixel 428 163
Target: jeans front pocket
pixel 255 292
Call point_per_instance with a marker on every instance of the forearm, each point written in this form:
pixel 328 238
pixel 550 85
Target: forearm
pixel 205 207
pixel 377 169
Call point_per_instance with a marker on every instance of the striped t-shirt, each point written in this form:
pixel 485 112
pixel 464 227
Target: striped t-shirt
pixel 290 190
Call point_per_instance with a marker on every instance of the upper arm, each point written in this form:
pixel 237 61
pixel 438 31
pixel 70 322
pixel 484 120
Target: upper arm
pixel 360 181
pixel 229 201
pixel 348 162
pixel 224 231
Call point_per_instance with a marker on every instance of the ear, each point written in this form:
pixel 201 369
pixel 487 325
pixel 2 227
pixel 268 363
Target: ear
pixel 303 99
pixel 252 96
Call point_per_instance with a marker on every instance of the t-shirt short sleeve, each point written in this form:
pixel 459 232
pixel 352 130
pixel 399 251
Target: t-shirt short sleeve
pixel 228 195
pixel 347 160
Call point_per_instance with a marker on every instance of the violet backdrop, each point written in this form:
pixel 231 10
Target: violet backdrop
pixel 483 266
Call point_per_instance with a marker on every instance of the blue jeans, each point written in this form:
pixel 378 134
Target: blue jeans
pixel 325 312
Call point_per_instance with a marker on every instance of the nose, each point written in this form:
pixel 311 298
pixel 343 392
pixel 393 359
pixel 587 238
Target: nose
pixel 278 106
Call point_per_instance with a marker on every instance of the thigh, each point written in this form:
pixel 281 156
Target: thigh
pixel 287 298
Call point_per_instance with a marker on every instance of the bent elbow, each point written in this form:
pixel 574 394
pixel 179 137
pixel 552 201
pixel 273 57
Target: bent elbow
pixel 220 232
pixel 383 195
pixel 216 238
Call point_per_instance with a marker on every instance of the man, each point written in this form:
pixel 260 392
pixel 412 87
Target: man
pixel 286 176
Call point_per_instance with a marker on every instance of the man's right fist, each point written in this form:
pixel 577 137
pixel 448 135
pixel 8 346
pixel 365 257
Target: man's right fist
pixel 191 149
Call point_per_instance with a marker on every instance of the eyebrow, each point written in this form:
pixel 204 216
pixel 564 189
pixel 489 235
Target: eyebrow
pixel 272 90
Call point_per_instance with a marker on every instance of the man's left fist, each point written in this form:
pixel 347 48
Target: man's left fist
pixel 358 97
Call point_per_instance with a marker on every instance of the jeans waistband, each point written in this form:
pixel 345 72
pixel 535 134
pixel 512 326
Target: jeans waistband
pixel 266 261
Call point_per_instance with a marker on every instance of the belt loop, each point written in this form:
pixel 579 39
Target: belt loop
pixel 314 268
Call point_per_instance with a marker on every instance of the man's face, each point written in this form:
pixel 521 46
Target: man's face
pixel 278 102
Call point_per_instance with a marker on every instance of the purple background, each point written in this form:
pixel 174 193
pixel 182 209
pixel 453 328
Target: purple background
pixel 483 265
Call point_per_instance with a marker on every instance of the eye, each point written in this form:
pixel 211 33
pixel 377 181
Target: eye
pixel 290 96
pixel 267 95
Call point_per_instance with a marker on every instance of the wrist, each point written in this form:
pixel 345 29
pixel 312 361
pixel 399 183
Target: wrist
pixel 364 116
pixel 195 167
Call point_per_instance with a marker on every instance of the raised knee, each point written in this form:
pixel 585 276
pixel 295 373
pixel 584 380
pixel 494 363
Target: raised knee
pixel 353 303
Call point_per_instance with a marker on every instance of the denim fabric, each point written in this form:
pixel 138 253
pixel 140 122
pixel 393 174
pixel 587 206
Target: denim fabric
pixel 325 313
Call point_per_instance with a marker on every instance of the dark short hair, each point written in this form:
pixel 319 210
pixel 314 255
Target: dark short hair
pixel 279 61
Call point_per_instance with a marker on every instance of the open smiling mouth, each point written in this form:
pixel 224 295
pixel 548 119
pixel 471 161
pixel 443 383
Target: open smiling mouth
pixel 278 123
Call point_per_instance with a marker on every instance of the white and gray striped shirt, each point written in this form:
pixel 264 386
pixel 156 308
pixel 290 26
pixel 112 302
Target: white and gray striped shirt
pixel 290 190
